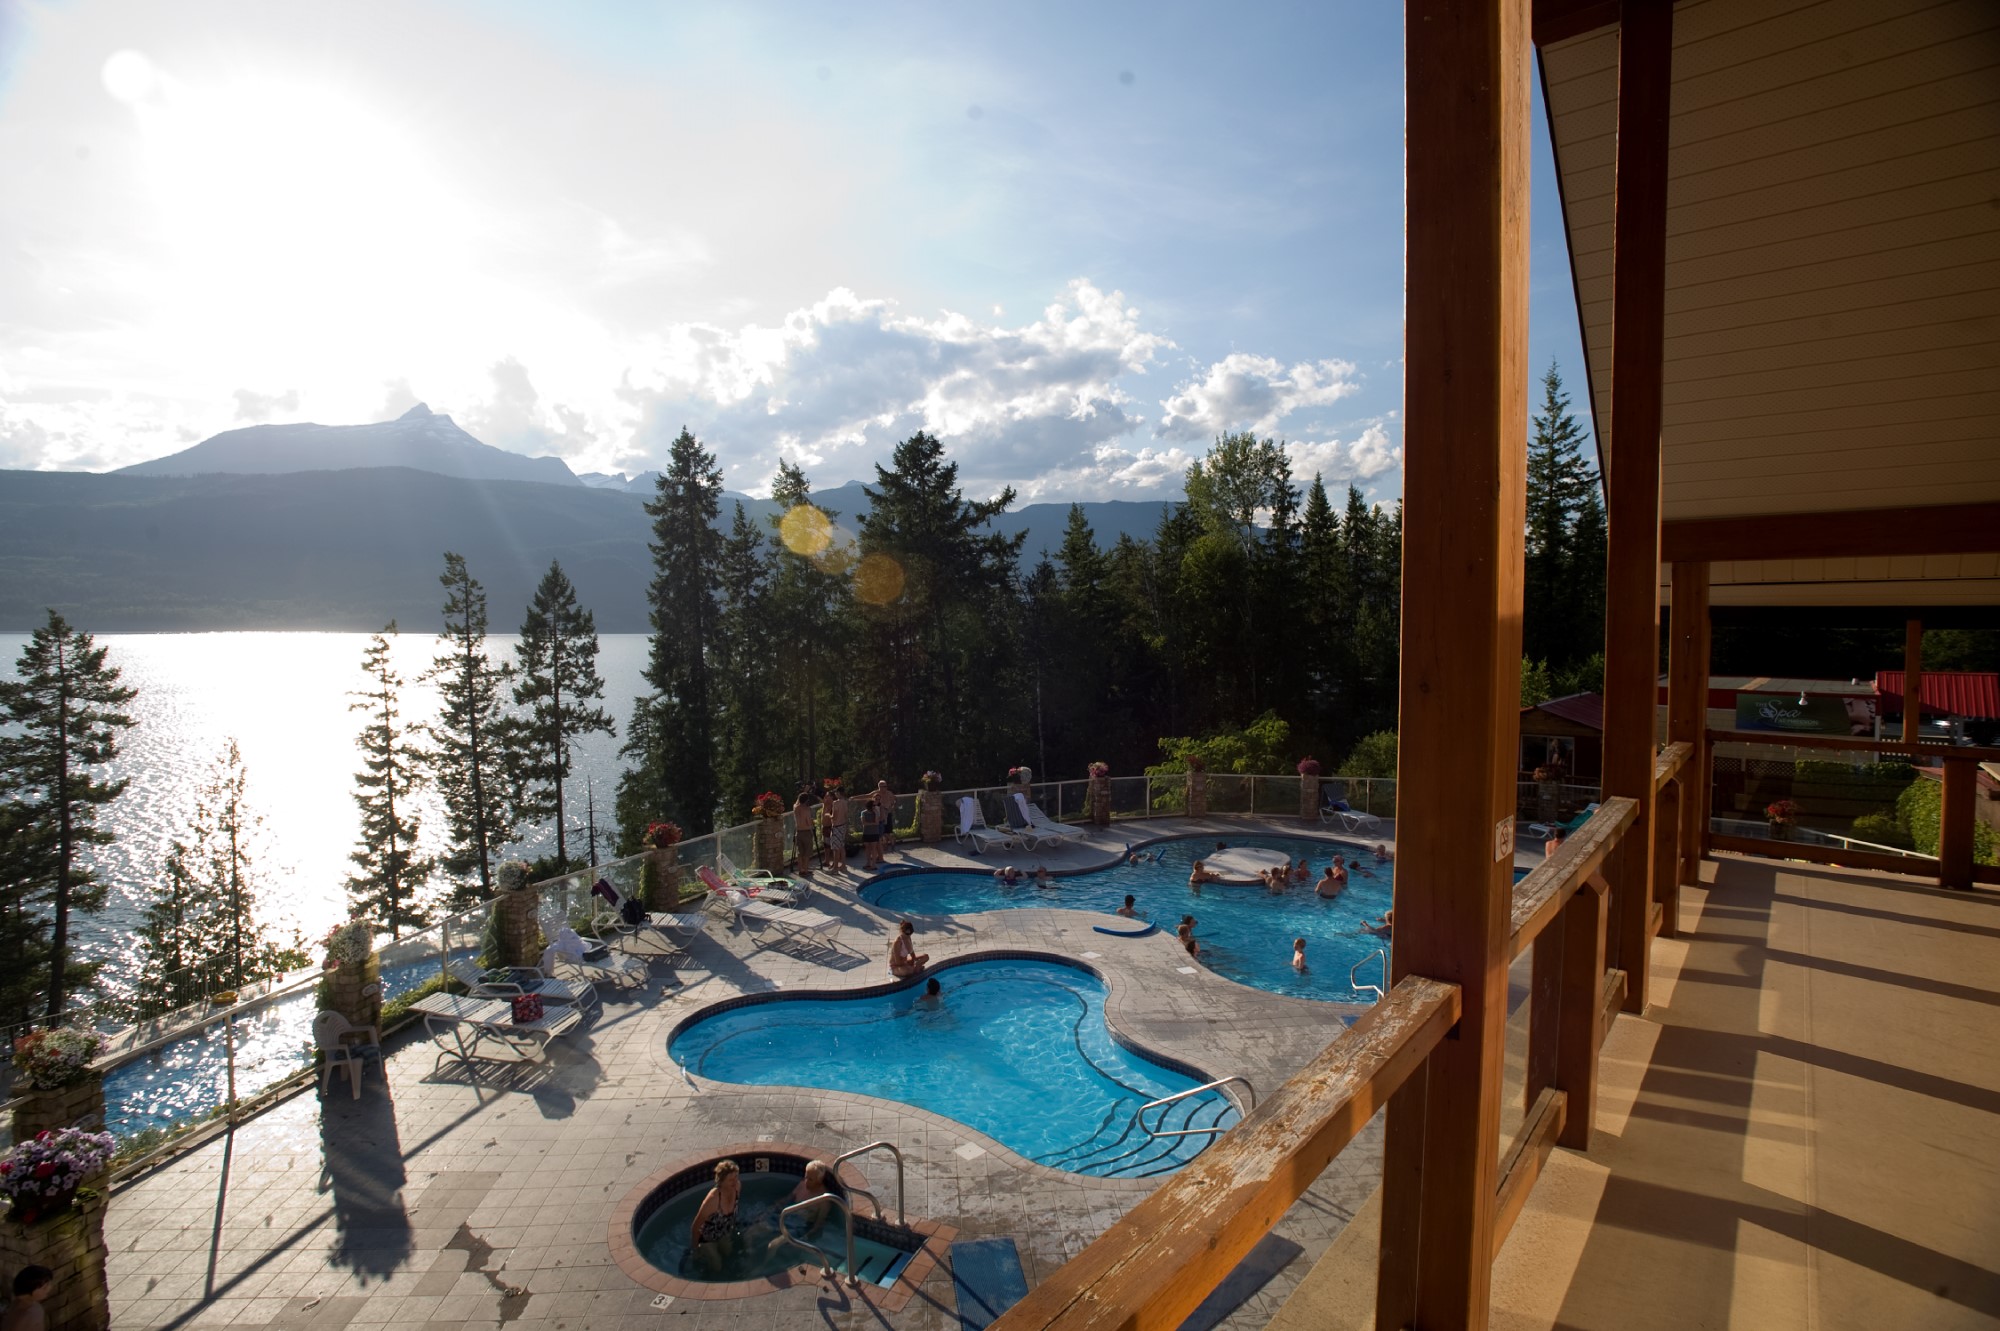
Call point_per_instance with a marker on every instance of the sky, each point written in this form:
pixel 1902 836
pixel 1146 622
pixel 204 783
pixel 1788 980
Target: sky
pixel 1076 241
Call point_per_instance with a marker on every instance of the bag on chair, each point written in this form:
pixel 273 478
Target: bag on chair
pixel 527 1008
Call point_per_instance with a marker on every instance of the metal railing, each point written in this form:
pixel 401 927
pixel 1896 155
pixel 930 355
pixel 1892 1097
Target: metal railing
pixel 871 1147
pixel 1139 1115
pixel 846 1213
pixel 1359 986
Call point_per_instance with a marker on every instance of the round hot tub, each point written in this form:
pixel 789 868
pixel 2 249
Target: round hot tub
pixel 652 1239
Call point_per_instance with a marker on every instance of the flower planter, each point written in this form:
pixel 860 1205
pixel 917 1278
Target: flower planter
pixel 663 878
pixel 1197 794
pixel 767 846
pixel 79 1104
pixel 1309 797
pixel 517 921
pixel 354 990
pixel 930 816
pixel 1100 800
pixel 70 1242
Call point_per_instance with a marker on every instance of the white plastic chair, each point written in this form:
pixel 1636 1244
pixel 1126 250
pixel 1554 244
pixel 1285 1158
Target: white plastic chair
pixel 331 1035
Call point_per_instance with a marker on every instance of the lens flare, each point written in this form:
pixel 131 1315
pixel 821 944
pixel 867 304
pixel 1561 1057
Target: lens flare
pixel 878 579
pixel 805 530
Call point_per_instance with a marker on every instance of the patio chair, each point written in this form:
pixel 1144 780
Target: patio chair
pixel 774 887
pixel 336 1039
pixel 972 827
pixel 1338 811
pixel 591 959
pixel 655 933
pixel 1047 828
pixel 813 927
pixel 512 981
pixel 1549 829
pixel 474 1030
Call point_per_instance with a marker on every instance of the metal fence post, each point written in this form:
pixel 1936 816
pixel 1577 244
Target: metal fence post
pixel 444 950
pixel 229 1043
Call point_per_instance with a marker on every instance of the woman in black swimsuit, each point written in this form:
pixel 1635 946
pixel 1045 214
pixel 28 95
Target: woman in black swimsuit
pixel 715 1225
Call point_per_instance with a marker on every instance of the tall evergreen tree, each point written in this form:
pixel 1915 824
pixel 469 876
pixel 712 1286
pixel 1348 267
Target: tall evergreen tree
pixel 1557 578
pixel 810 609
pixel 24 930
pixel 389 875
pixel 746 669
pixel 555 664
pixel 63 716
pixel 466 762
pixel 674 775
pixel 938 594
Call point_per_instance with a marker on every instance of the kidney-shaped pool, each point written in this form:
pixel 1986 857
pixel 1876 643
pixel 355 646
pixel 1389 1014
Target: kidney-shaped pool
pixel 1017 1049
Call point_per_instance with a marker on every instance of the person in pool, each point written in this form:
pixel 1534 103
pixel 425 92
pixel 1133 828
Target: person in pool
pixel 1129 910
pixel 1383 855
pixel 1277 879
pixel 1200 874
pixel 933 994
pixel 1332 883
pixel 1186 934
pixel 1384 927
pixel 1009 875
pixel 1299 955
pixel 904 959
pixel 1302 872
pixel 715 1229
pixel 1042 878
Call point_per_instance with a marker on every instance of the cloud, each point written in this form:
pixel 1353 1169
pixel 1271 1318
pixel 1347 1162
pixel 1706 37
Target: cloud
pixel 1341 462
pixel 1253 393
pixel 254 407
pixel 514 418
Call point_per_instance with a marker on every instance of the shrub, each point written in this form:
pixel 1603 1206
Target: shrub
pixel 1374 756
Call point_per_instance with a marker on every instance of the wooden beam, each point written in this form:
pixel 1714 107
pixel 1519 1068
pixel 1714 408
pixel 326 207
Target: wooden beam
pixel 1583 1016
pixel 1540 897
pixel 1540 1128
pixel 1156 1265
pixel 1687 704
pixel 1939 529
pixel 1955 823
pixel 1632 575
pixel 1666 859
pixel 1917 866
pixel 1913 686
pixel 1888 748
pixel 1559 20
pixel 1465 380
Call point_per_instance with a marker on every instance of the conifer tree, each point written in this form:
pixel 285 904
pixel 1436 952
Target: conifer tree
pixel 673 771
pixel 466 762
pixel 1558 577
pixel 745 669
pixel 24 931
pixel 389 874
pixel 63 717
pixel 812 621
pixel 559 688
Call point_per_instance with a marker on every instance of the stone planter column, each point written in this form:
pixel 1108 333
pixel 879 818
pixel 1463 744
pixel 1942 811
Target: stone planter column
pixel 520 926
pixel 354 990
pixel 1100 801
pixel 79 1104
pixel 1547 794
pixel 1309 797
pixel 71 1244
pixel 1197 794
pixel 663 878
pixel 930 816
pixel 767 849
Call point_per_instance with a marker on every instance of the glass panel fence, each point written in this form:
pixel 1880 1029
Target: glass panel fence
pixel 1228 793
pixel 1876 802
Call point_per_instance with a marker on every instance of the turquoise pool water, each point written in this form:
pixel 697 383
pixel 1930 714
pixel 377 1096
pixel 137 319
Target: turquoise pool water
pixel 1245 933
pixel 1018 1050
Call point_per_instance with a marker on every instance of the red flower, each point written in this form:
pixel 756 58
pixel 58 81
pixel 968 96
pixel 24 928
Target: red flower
pixel 44 1169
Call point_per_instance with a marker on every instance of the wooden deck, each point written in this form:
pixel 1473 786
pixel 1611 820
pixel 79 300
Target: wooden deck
pixel 1802 1131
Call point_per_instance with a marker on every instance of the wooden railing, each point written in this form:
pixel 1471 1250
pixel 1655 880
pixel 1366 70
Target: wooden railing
pixel 1155 1266
pixel 1954 867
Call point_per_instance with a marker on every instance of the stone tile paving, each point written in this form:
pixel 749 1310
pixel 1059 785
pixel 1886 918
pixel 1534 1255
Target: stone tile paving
pixel 449 1200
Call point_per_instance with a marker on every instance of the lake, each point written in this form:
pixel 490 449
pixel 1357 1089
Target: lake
pixel 284 698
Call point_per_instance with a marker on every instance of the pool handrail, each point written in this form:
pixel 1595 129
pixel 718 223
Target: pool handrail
pixel 1354 975
pixel 847 1214
pixel 1139 1117
pixel 891 1148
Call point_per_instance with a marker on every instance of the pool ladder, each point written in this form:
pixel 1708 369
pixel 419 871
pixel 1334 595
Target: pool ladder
pixel 846 1211
pixel 1139 1116
pixel 1360 986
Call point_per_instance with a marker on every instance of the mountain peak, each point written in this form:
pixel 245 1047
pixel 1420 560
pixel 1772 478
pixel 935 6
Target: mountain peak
pixel 416 413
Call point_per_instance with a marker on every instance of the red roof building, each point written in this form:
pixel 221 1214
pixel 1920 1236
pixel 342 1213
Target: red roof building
pixel 1964 693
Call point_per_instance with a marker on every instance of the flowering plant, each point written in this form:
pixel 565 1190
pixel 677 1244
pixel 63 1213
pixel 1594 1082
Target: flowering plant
pixel 768 805
pixel 662 835
pixel 931 780
pixel 1308 767
pixel 348 942
pixel 1548 772
pixel 830 783
pixel 1782 811
pixel 1100 769
pixel 52 1166
pixel 511 875
pixel 1019 776
pixel 58 1057
pixel 1196 763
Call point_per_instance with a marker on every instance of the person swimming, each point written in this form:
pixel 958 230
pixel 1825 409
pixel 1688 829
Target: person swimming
pixel 1128 910
pixel 1384 927
pixel 1185 932
pixel 1009 875
pixel 1042 878
pixel 1331 884
pixel 933 994
pixel 1299 955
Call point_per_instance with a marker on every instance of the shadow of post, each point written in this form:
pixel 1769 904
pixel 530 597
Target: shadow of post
pixel 363 1169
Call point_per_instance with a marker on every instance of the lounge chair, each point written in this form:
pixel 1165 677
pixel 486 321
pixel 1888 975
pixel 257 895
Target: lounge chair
pixel 571 956
pixel 341 1045
pixel 483 1029
pixel 1043 826
pixel 972 827
pixel 774 887
pixel 1548 829
pixel 1350 819
pixel 513 981
pixel 809 926
pixel 656 933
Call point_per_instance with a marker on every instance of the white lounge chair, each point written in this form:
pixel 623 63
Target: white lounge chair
pixel 773 887
pixel 591 960
pixel 972 827
pixel 513 981
pixel 1348 818
pixel 657 933
pixel 483 1029
pixel 1043 826
pixel 341 1046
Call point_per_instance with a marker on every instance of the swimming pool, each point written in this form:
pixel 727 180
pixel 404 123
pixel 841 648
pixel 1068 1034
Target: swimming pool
pixel 1245 933
pixel 1016 1049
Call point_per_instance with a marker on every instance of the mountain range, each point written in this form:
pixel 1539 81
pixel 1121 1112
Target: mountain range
pixel 306 526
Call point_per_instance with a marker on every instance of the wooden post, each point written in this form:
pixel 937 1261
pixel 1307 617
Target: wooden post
pixel 1687 705
pixel 1581 1030
pixel 1913 686
pixel 1955 823
pixel 1666 854
pixel 1465 455
pixel 1632 574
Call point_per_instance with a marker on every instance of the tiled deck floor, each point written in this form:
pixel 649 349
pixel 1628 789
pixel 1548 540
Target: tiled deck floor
pixel 446 1201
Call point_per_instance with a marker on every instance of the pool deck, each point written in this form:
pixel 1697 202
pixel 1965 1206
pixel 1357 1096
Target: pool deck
pixel 448 1201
